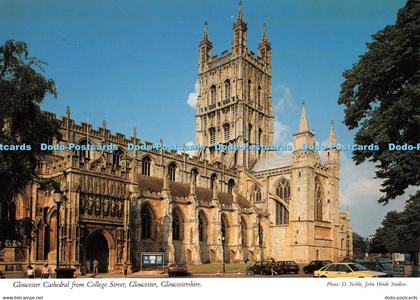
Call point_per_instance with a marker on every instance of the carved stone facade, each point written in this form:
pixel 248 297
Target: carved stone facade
pixel 218 206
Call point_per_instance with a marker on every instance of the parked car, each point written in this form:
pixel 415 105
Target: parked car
pixel 287 266
pixel 315 265
pixel 380 265
pixel 264 268
pixel 346 270
pixel 177 270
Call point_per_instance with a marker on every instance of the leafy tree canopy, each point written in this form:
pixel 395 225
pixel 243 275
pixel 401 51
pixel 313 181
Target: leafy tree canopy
pixel 381 95
pixel 22 88
pixel 398 227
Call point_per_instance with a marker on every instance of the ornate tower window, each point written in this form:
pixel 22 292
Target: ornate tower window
pixel 249 133
pixel 259 95
pixel 226 129
pixel 227 89
pixel 318 200
pixel 249 89
pixel 212 135
pixel 213 94
pixel 283 189
pixel 172 171
pixel 145 165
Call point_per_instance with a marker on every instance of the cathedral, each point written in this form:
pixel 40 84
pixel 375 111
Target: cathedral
pixel 211 207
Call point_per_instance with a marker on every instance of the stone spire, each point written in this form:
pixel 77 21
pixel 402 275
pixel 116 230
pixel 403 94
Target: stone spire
pixel 240 17
pixel 103 123
pixel 303 122
pixel 206 32
pixel 332 139
pixel 239 33
pixel 264 38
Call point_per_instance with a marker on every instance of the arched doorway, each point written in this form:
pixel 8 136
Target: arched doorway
pixel 98 249
pixel 178 235
pixel 202 237
pixel 225 239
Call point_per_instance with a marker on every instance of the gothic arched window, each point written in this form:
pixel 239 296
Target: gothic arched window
pixel 213 94
pixel 194 176
pixel 283 189
pixel 231 186
pixel 116 157
pixel 147 222
pixel 256 194
pixel 227 89
pixel 213 180
pixel 172 171
pixel 145 165
pixel 318 200
pixel 282 214
pixel 177 225
pixel 249 89
pixel 226 129
pixel 259 95
pixel 83 153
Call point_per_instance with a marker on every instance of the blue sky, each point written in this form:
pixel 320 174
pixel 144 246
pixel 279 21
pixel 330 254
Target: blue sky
pixel 134 63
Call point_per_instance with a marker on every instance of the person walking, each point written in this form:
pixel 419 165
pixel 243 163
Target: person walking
pixel 46 271
pixel 88 266
pixel 30 272
pixel 272 264
pixel 125 268
pixel 248 267
pixel 95 266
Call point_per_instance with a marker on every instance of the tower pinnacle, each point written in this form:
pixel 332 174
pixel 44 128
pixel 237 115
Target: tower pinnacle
pixel 332 139
pixel 240 16
pixel 303 122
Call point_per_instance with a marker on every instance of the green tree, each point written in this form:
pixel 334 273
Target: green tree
pixel 398 227
pixel 360 245
pixel 22 88
pixel 381 95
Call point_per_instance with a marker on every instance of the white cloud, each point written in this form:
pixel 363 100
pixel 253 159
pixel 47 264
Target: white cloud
pixel 284 100
pixel 281 133
pixel 190 153
pixel 360 191
pixel 193 96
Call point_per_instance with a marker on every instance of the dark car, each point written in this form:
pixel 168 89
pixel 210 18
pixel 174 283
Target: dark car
pixel 177 270
pixel 380 265
pixel 287 266
pixel 315 265
pixel 264 268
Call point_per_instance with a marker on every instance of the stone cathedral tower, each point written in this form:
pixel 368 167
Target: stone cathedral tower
pixel 234 102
